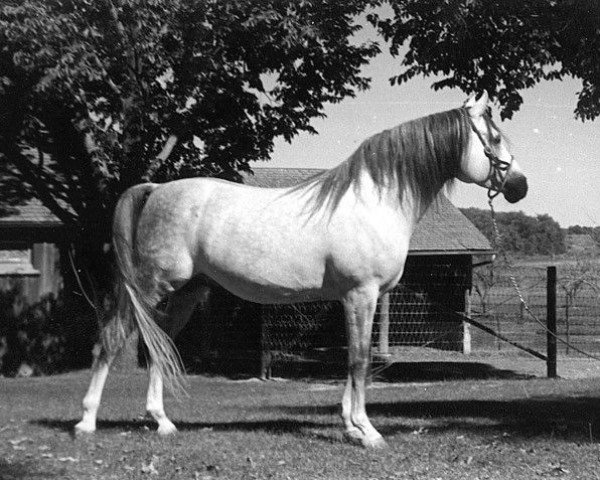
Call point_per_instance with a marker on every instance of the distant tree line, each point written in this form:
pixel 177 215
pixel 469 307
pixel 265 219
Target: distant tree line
pixel 520 233
pixel 593 232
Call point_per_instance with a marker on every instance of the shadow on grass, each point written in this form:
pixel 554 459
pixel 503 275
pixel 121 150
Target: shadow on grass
pixel 30 471
pixel 418 371
pixel 574 418
pixel 275 426
pixel 439 371
pixel 560 417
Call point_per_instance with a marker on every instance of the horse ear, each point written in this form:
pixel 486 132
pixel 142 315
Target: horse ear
pixel 477 104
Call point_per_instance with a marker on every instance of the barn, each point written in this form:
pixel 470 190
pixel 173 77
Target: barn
pixel 421 311
pixel 30 241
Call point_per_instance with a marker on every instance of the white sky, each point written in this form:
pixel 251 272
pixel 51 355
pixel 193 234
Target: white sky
pixel 558 153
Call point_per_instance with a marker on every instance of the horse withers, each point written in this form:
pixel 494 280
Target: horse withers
pixel 342 235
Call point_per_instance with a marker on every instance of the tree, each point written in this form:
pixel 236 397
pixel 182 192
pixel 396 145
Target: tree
pixel 520 233
pixel 593 232
pixel 502 46
pixel 98 96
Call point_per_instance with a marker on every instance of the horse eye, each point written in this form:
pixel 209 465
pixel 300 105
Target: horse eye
pixel 496 139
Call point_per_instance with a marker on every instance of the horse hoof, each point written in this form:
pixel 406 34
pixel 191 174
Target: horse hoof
pixel 166 430
pixel 377 443
pixel 81 429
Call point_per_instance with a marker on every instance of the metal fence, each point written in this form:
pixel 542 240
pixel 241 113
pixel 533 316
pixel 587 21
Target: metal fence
pixel 422 319
pixel 512 300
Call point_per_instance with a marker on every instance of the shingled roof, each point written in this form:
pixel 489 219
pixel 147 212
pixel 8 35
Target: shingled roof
pixel 31 214
pixel 443 230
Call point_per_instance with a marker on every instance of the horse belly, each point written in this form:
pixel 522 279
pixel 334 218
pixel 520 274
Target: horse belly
pixel 265 255
pixel 265 273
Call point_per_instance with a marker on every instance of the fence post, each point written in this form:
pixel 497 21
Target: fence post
pixel 467 326
pixel 551 321
pixel 266 356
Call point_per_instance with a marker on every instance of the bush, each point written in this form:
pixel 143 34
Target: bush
pixel 44 338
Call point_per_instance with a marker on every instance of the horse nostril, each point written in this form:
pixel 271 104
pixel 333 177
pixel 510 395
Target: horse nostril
pixel 515 188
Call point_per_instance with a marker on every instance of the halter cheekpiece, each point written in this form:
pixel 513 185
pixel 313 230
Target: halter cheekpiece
pixel 499 169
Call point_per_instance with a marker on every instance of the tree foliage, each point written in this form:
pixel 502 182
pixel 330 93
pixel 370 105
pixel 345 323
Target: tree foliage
pixel 99 95
pixel 520 233
pixel 502 46
pixel 103 87
pixel 593 232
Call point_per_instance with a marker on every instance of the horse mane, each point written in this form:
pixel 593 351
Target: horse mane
pixel 420 155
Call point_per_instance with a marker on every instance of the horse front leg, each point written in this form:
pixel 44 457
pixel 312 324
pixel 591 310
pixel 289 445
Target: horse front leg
pixel 359 306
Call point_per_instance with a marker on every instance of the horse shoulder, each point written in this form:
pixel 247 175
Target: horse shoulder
pixel 370 246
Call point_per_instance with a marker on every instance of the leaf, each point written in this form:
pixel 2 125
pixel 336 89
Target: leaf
pixel 420 431
pixel 150 469
pixel 18 441
pixel 68 459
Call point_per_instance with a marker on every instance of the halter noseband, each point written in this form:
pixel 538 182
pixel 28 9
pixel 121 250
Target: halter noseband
pixel 499 169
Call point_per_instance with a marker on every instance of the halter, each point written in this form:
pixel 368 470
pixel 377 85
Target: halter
pixel 499 169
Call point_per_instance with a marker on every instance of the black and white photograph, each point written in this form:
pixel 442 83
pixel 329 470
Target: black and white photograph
pixel 299 239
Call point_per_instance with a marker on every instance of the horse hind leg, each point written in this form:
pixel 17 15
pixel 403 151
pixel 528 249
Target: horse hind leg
pixel 359 306
pixel 104 353
pixel 180 307
pixel 154 402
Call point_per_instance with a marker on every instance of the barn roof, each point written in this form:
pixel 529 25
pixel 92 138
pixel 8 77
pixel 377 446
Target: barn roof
pixel 443 230
pixel 31 214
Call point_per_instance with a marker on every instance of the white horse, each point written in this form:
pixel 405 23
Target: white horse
pixel 342 235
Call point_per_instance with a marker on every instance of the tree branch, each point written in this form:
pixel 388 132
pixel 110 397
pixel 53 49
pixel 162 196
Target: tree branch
pixel 161 157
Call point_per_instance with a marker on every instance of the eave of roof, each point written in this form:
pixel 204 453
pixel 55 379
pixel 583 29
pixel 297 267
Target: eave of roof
pixel 32 214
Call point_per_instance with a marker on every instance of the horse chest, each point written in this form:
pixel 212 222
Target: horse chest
pixel 372 251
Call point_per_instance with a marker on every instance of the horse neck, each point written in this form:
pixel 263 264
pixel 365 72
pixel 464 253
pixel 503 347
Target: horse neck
pixel 409 202
pixel 407 207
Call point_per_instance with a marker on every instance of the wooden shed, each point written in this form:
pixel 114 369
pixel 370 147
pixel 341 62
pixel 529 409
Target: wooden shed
pixel 30 236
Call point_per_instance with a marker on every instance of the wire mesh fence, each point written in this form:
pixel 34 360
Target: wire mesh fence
pixel 512 302
pixel 519 309
pixel 422 318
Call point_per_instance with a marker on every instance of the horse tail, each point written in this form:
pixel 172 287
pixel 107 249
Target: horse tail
pixel 136 306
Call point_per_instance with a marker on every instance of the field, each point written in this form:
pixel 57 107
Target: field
pixel 577 306
pixel 509 428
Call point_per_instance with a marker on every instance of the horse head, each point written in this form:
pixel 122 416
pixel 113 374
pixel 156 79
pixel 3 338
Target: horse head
pixel 488 161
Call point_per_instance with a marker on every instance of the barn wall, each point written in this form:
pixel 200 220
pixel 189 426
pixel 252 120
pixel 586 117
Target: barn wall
pixel 35 275
pixel 422 307
pixel 46 259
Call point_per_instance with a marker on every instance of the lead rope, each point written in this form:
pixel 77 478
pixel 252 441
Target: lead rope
pixel 515 284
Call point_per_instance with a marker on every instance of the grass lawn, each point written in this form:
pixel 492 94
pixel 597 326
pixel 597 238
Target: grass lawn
pixel 473 429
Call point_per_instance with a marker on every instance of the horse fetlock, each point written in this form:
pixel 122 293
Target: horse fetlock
pixel 354 436
pixel 165 426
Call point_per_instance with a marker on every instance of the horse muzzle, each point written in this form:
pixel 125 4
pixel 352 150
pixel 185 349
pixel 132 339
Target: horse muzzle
pixel 515 188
